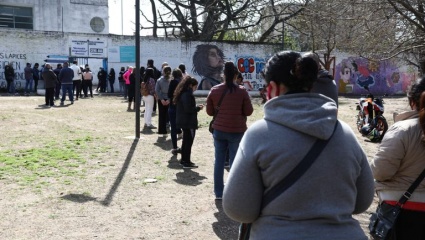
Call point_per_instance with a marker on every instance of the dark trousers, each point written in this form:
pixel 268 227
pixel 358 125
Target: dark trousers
pixel 76 87
pixel 35 85
pixel 111 84
pixel 410 225
pixel 102 85
pixel 57 90
pixel 188 137
pixel 88 84
pixel 154 106
pixel 174 130
pixel 9 83
pixel 162 118
pixel 49 96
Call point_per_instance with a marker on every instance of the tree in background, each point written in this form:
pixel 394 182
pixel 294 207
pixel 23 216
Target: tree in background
pixel 210 20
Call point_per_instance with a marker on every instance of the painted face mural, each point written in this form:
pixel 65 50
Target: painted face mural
pixel 208 62
pixel 381 77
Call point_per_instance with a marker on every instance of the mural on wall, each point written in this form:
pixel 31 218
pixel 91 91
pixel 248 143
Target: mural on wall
pixel 382 77
pixel 208 62
pixel 251 67
pixel 18 61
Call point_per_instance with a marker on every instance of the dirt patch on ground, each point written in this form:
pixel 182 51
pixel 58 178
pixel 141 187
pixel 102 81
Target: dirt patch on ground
pixel 77 172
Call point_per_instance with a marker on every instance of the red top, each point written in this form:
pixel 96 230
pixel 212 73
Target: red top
pixel 415 206
pixel 235 108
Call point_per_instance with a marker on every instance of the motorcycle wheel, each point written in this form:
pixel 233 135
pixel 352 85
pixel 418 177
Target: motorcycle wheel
pixel 381 126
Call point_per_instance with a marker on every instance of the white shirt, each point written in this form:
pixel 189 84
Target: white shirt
pixel 77 72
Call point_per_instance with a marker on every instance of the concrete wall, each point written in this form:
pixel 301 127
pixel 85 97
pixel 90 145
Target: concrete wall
pixel 22 46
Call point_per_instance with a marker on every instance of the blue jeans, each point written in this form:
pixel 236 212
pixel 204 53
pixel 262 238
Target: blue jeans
pixel 67 88
pixel 28 85
pixel 222 142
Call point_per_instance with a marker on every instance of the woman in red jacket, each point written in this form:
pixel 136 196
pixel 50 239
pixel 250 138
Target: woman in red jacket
pixel 230 122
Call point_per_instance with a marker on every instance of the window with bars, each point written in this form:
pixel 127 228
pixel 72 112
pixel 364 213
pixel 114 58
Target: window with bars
pixel 16 17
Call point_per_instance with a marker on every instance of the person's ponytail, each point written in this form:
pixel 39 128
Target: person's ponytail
pixel 229 75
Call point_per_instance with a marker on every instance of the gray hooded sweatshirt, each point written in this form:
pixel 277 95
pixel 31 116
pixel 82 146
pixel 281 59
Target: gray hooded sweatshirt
pixel 321 203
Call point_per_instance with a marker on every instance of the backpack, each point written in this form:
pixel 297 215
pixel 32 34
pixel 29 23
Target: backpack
pixel 144 88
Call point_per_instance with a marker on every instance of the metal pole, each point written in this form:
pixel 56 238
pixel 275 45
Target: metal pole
pixel 137 69
pixel 122 19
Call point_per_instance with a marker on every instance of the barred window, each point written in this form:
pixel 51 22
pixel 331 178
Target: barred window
pixel 16 17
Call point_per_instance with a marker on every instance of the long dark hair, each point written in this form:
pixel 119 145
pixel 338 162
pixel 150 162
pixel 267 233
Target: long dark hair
pixel 230 71
pixel 292 70
pixel 183 86
pixel 148 74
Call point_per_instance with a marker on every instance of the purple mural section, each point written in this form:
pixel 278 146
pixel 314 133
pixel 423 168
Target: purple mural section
pixel 381 77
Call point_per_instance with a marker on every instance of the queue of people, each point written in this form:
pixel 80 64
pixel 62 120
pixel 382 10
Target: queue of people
pixel 300 114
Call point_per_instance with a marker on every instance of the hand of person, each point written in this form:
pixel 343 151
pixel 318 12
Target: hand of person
pixel 165 102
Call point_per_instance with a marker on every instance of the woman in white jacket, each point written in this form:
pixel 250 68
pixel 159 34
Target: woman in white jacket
pixel 399 161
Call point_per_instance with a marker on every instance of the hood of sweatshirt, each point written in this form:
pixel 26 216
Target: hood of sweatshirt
pixel 310 113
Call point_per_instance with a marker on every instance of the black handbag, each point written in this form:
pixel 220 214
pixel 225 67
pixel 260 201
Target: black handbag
pixel 382 222
pixel 211 129
pixel 288 181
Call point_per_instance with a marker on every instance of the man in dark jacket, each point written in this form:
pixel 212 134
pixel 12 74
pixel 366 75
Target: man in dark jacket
pixel 50 80
pixel 65 76
pixel 325 83
pixel 36 76
pixel 101 75
pixel 58 84
pixel 9 74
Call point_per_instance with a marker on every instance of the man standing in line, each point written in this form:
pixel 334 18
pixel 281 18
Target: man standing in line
pixel 101 75
pixel 76 81
pixel 58 84
pixel 36 77
pixel 65 76
pixel 9 74
pixel 28 79
pixel 50 81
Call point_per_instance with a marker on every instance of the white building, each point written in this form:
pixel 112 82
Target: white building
pixel 71 16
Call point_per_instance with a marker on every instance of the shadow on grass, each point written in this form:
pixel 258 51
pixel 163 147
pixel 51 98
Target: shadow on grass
pixel 82 198
pixel 224 228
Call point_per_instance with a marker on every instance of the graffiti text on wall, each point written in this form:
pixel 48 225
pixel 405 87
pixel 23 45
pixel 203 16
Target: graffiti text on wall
pixel 250 67
pixel 17 60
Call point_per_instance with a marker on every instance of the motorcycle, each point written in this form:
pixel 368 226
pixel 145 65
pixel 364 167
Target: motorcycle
pixel 371 122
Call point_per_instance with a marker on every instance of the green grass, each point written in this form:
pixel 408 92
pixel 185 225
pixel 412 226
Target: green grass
pixel 53 160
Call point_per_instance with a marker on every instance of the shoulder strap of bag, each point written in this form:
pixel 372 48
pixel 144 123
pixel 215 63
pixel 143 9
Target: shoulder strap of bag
pixel 298 171
pixel 411 189
pixel 219 104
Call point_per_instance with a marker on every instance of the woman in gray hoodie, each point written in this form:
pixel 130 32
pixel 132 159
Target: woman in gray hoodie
pixel 320 204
